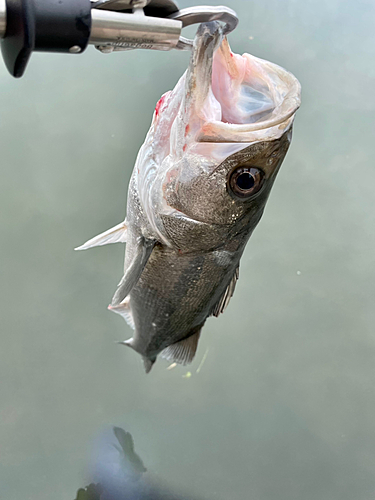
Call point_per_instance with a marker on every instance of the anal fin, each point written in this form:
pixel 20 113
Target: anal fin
pixel 224 300
pixel 183 352
pixel 116 234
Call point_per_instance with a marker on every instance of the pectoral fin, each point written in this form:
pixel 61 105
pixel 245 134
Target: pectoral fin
pixel 132 274
pixel 223 302
pixel 114 235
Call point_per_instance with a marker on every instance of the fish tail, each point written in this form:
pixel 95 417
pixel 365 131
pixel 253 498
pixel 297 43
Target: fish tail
pixel 148 362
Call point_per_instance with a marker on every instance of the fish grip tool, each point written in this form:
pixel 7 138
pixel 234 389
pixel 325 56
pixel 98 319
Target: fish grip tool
pixel 69 26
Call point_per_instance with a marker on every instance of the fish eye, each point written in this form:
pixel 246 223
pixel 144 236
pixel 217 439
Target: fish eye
pixel 245 182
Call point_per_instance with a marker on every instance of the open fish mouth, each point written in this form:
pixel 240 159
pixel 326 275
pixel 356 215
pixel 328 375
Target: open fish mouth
pixel 234 98
pixel 222 98
pixel 253 94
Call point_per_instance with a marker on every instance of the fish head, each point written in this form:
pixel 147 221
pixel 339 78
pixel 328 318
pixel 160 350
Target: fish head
pixel 231 192
pixel 223 133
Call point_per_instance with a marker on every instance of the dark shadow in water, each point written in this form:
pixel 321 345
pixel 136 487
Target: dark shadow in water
pixel 117 472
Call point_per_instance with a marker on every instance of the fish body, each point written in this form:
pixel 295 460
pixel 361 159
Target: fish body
pixel 198 190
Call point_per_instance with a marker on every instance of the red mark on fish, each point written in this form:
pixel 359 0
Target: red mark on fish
pixel 158 105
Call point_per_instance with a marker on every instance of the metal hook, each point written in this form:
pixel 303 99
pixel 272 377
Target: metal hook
pixel 204 14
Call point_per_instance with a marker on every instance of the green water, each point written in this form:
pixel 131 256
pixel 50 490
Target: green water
pixel 283 407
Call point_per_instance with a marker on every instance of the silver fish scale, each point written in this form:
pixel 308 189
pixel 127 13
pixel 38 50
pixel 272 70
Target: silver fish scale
pixel 174 295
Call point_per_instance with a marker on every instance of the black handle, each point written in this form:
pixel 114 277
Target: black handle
pixel 44 25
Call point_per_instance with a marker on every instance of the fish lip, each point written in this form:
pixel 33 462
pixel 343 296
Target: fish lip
pixel 181 214
pixel 247 127
pixel 232 130
pixel 248 144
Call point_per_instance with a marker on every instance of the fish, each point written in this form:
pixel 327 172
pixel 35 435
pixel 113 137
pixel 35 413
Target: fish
pixel 199 187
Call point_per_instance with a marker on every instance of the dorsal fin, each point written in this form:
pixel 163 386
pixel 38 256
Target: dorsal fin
pixel 125 311
pixel 183 352
pixel 224 300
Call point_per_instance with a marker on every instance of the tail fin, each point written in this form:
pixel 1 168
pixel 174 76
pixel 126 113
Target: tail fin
pixel 148 362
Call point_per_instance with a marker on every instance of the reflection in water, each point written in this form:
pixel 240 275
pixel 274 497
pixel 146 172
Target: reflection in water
pixel 117 470
pixel 92 492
